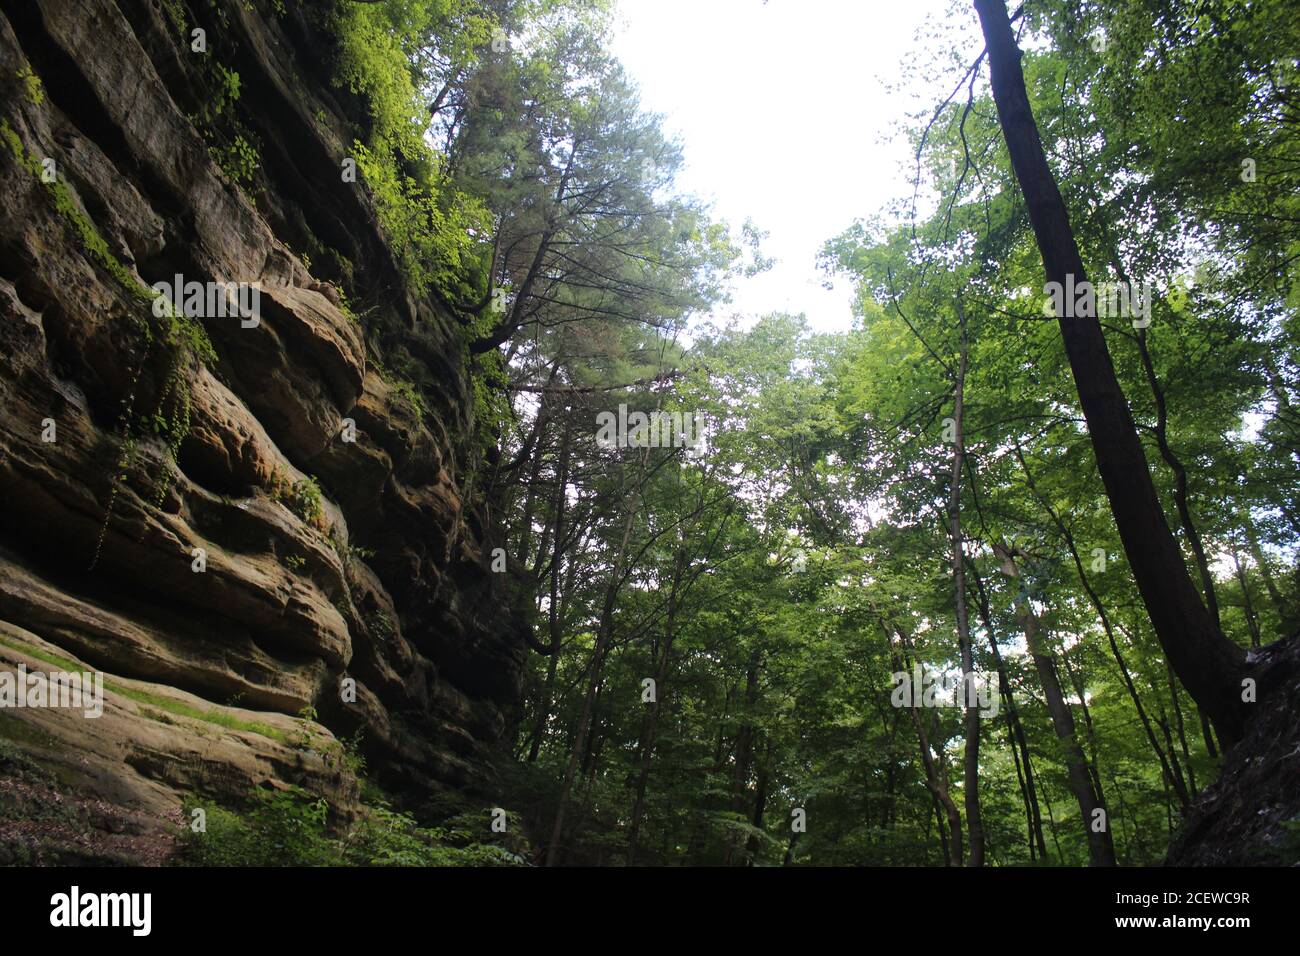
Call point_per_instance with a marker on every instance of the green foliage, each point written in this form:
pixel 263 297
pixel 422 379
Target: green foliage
pixel 292 828
pixel 350 552
pixel 215 717
pixel 411 395
pixel 776 582
pixel 175 13
pixel 32 88
pixel 429 224
pixel 225 91
pixel 302 497
pixel 238 159
pixel 231 146
pixel 430 232
pixel 381 625
pixel 280 828
pixel 305 500
pixel 386 837
pixel 492 409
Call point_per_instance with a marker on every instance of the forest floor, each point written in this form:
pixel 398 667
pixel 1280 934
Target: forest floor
pixel 44 823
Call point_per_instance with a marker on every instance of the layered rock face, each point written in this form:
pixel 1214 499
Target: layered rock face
pixel 200 525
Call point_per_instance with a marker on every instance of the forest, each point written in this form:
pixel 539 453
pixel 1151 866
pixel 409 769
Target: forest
pixel 1093 512
pixel 1005 573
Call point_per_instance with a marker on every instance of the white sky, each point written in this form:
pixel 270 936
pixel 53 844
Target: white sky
pixel 783 113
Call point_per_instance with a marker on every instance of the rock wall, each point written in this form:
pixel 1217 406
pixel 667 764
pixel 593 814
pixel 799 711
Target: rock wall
pixel 125 446
pixel 1250 815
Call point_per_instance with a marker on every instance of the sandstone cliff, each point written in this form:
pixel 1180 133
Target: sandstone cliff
pixel 128 441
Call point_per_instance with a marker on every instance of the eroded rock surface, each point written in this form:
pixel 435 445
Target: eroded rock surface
pixel 1250 815
pixel 383 577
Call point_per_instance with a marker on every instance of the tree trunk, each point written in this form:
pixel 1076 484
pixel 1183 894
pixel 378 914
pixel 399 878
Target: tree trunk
pixel 1247 605
pixel 1014 724
pixel 553 611
pixel 1076 682
pixel 604 635
pixel 744 749
pixel 645 749
pixel 1182 730
pixel 1095 600
pixel 933 779
pixel 1210 666
pixel 971 762
pixel 1266 571
pixel 760 802
pixel 1101 850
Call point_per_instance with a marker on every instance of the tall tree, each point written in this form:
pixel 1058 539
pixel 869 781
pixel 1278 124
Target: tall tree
pixel 1208 664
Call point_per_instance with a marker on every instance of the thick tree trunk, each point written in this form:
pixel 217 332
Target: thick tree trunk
pixel 1210 666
